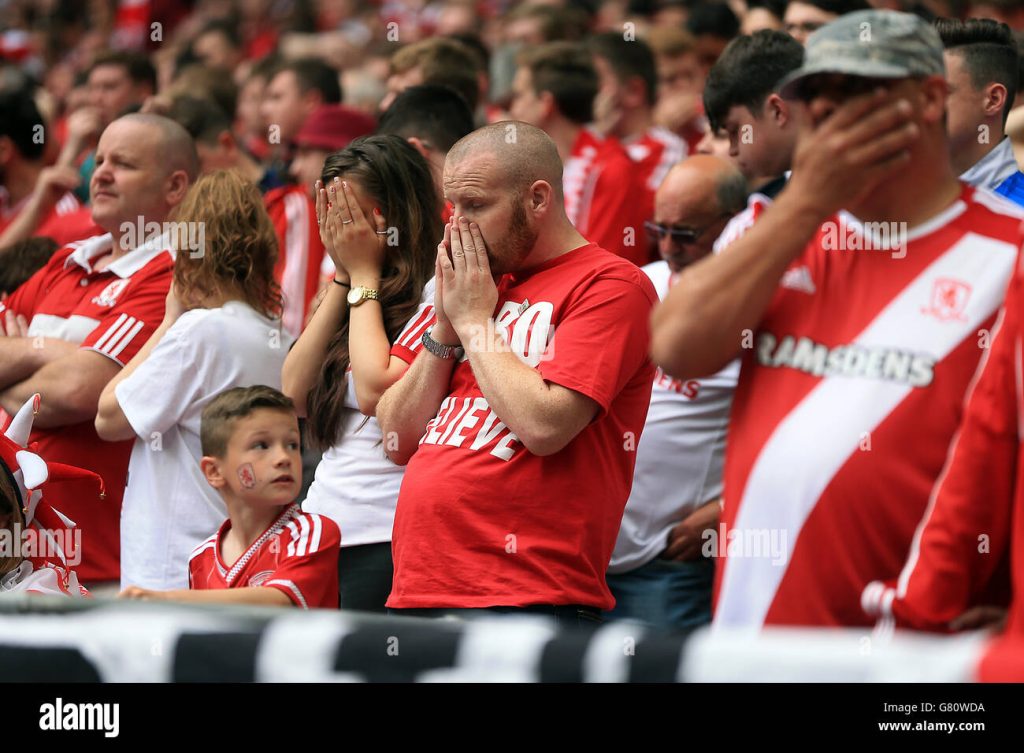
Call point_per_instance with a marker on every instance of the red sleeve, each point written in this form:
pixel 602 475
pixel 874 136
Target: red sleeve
pixel 614 219
pixel 307 572
pixel 314 257
pixel 199 565
pixel 410 341
pixel 66 228
pixel 300 252
pixel 603 339
pixel 134 318
pixel 23 300
pixel 960 551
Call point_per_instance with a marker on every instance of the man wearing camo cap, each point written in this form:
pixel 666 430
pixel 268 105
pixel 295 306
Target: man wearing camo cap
pixel 858 329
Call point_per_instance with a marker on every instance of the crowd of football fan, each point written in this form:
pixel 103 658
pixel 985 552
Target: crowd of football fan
pixel 673 310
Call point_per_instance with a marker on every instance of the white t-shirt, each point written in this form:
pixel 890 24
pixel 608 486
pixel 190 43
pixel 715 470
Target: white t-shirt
pixel 169 508
pixel 680 456
pixel 356 485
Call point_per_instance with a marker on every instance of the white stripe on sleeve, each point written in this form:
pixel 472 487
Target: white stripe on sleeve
pixel 115 350
pixel 314 544
pixel 113 328
pixel 291 587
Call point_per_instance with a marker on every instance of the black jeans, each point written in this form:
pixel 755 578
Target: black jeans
pixel 566 615
pixel 365 573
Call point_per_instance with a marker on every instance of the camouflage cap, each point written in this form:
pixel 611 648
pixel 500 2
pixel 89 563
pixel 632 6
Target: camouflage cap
pixel 873 44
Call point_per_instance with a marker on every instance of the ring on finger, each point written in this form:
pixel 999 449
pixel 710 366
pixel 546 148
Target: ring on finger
pixel 381 232
pixel 347 222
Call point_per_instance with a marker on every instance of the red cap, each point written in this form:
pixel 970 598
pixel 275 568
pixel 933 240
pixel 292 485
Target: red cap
pixel 332 127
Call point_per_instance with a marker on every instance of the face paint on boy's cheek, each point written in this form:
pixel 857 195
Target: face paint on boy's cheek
pixel 246 476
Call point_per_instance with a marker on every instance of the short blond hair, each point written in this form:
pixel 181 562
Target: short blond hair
pixel 442 61
pixel 671 42
pixel 218 420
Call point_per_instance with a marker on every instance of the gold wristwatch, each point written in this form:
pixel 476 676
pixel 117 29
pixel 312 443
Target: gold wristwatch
pixel 359 294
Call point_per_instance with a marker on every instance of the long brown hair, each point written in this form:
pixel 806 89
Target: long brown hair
pixel 398 179
pixel 239 246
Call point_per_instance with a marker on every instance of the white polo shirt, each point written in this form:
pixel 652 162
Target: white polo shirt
pixel 680 456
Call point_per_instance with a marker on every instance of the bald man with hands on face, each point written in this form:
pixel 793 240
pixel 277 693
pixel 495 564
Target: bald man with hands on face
pixel 520 419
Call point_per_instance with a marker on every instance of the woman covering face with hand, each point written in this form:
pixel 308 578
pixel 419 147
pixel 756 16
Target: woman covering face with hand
pixel 380 221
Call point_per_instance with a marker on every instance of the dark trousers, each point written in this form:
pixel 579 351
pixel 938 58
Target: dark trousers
pixel 364 576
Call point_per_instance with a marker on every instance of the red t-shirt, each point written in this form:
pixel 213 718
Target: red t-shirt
pixel 297 555
pixel 483 522
pixel 112 312
pixel 847 401
pixel 601 185
pixel 299 254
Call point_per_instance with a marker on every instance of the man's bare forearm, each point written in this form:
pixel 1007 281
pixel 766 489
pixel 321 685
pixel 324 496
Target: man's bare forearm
pixel 408 405
pixel 516 393
pixel 21 357
pixel 25 224
pixel 70 388
pixel 700 325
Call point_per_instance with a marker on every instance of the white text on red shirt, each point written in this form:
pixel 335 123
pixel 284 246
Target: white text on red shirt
pixel 469 422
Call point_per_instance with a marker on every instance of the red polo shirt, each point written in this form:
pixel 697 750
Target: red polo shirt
pixel 112 312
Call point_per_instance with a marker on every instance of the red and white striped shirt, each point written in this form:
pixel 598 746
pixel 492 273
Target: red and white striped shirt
pixel 738 226
pixel 112 312
pixel 845 407
pixel 297 555
pixel 601 183
pixel 300 253
pixel 654 153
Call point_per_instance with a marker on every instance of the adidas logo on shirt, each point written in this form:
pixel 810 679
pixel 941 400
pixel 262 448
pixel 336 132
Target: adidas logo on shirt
pixel 799 278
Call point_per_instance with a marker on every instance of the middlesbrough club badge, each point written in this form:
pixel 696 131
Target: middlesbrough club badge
pixel 949 299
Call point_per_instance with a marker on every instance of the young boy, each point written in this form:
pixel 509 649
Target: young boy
pixel 268 552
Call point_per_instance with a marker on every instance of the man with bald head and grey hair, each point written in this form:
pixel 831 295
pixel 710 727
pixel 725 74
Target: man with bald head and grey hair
pixel 658 573
pixel 69 329
pixel 519 420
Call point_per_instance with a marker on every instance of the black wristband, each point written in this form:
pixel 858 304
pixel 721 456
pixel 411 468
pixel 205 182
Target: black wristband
pixel 343 284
